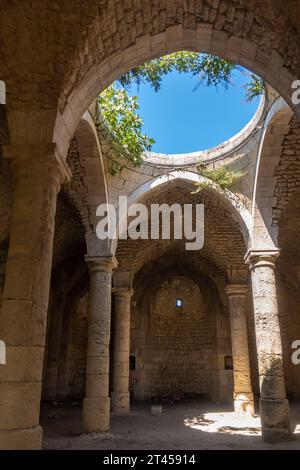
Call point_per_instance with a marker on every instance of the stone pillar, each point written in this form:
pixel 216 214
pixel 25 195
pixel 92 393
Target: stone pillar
pixel 23 315
pixel 274 407
pixel 242 391
pixel 96 405
pixel 120 394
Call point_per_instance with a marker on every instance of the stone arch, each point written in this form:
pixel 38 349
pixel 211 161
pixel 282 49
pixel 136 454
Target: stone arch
pixel 275 128
pixel 164 261
pixel 87 165
pixel 92 161
pixel 89 173
pixel 147 284
pixel 94 70
pixel 228 198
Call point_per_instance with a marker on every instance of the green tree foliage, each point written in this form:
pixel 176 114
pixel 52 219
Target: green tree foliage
pixel 210 70
pixel 223 177
pixel 255 87
pixel 119 110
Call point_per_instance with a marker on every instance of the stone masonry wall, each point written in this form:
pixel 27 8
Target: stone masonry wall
pixel 179 350
pixel 289 315
pixel 288 171
pixel 120 23
pixel 75 358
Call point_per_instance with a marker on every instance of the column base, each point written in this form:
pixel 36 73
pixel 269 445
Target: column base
pixel 120 402
pixel 275 420
pixel 96 414
pixel 21 439
pixel 244 404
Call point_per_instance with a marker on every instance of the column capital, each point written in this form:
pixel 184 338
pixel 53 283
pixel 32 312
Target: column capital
pixel 101 263
pixel 37 158
pixel 262 258
pixel 123 292
pixel 236 290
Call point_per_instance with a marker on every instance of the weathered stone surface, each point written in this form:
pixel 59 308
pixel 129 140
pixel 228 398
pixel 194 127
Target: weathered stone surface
pixel 273 403
pixel 26 290
pixel 275 420
pixel 65 55
pixel 120 390
pixel 96 405
pixel 242 392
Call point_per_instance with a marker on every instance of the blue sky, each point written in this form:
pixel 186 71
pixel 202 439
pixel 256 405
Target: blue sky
pixel 183 120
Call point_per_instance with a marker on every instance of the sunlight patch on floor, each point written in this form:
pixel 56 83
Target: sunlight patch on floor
pixel 297 429
pixel 227 423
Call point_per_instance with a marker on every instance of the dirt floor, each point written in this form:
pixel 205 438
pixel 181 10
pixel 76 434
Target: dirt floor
pixel 183 426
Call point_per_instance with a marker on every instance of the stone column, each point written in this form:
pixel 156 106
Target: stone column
pixel 242 392
pixel 274 407
pixel 96 405
pixel 23 315
pixel 120 394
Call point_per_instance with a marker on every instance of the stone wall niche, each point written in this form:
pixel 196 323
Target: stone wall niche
pixel 174 341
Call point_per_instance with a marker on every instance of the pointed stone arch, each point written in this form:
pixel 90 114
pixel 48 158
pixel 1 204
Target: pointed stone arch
pixel 89 173
pixel 92 171
pixel 102 69
pixel 276 126
pixel 229 199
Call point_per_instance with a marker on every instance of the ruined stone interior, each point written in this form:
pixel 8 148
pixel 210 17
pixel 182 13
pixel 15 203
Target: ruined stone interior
pixel 113 328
